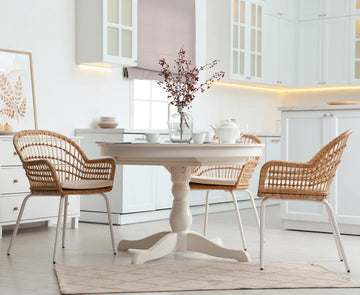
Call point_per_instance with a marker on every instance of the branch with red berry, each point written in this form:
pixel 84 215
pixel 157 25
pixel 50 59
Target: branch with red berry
pixel 182 83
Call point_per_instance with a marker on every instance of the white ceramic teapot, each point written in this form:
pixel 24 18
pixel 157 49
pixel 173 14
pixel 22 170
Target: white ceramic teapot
pixel 228 132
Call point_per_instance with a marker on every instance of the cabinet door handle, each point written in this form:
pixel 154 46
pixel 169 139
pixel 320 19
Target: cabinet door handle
pixel 319 83
pixel 16 208
pixel 15 180
pixel 324 14
pixel 248 78
pixel 275 140
pixel 325 115
pixel 279 13
pixel 320 14
pixel 331 115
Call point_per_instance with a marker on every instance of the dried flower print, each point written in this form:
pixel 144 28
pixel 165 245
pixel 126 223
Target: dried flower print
pixel 14 103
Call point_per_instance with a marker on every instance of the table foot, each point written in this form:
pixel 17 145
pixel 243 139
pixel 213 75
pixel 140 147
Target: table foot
pixel 164 246
pixel 201 244
pixel 145 243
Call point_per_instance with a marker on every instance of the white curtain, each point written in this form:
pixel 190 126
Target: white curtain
pixel 164 26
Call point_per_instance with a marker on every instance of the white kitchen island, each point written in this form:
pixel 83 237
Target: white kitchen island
pixel 304 130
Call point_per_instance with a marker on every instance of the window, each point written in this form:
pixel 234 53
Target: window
pixel 149 105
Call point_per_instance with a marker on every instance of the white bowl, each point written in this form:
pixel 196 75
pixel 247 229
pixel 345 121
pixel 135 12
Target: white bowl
pixel 152 137
pixel 107 119
pixel 107 124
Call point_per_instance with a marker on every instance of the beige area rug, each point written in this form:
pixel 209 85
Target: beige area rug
pixel 197 276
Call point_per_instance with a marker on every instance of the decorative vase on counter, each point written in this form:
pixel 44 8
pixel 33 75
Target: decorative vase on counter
pixel 180 126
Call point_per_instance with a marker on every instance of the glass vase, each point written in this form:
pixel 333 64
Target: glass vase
pixel 180 126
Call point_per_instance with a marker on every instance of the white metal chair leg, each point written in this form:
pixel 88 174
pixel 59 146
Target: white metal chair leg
pixel 239 220
pixel 110 222
pixel 262 232
pixel 254 207
pixel 61 205
pixel 66 205
pixel 18 222
pixel 336 233
pixel 206 212
pixel 335 237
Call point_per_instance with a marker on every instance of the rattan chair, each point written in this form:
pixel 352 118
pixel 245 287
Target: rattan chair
pixel 228 178
pixel 309 181
pixel 56 166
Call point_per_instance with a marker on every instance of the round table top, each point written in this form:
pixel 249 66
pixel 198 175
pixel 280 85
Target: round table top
pixel 174 154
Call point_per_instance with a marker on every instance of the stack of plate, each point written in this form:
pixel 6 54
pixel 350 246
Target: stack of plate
pixel 107 122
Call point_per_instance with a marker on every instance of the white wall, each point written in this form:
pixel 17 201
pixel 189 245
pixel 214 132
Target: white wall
pixel 257 108
pixel 314 98
pixel 67 97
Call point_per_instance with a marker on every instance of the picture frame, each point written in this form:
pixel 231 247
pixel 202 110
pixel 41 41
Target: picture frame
pixel 17 93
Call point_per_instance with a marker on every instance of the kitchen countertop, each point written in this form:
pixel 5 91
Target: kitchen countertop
pixel 324 107
pixel 143 131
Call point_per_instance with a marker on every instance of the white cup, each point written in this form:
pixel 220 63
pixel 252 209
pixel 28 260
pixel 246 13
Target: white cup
pixel 198 137
pixel 208 136
pixel 152 137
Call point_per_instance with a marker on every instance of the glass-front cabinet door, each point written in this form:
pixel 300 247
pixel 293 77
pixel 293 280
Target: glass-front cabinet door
pixel 120 31
pixel 246 40
pixel 355 7
pixel 355 50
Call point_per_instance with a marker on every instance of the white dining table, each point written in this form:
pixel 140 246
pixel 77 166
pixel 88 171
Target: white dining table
pixel 180 160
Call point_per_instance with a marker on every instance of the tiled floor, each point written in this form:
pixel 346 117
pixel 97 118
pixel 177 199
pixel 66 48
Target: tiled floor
pixel 29 270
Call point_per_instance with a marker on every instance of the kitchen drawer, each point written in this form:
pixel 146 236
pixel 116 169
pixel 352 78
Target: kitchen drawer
pixel 13 180
pixel 8 155
pixel 36 207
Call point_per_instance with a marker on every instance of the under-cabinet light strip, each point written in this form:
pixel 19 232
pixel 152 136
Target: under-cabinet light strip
pixel 95 68
pixel 282 90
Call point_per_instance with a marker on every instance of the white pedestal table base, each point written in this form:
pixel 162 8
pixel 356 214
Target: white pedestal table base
pixel 180 239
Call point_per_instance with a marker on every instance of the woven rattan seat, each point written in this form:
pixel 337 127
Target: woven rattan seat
pixel 309 181
pixel 228 178
pixel 56 166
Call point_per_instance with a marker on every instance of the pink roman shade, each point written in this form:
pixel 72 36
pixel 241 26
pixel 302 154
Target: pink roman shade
pixel 164 26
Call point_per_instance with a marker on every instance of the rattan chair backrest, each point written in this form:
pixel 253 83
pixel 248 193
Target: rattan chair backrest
pixel 63 153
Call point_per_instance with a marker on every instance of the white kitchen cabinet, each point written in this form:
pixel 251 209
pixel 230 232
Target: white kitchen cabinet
pixel 304 132
pixel 318 9
pixel 246 39
pixel 14 186
pixel 310 53
pixel 271 152
pixel 323 55
pixel 354 63
pixel 106 32
pixel 279 51
pixel 281 8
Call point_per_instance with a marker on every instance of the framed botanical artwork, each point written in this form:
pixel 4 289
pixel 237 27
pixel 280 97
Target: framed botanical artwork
pixel 17 96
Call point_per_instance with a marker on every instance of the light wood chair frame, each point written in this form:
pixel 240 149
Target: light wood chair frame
pixel 49 159
pixel 308 181
pixel 241 173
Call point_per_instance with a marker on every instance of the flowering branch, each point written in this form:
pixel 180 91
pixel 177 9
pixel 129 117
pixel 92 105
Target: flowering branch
pixel 183 85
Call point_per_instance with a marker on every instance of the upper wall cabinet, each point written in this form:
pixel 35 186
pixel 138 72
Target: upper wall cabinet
pixel 280 8
pixel 246 40
pixel 315 9
pixel 106 32
pixel 279 51
pixel 323 52
pixel 355 50
pixel 355 7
